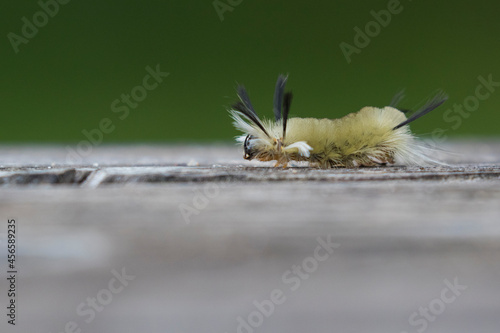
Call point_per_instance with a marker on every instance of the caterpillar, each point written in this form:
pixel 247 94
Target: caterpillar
pixel 370 137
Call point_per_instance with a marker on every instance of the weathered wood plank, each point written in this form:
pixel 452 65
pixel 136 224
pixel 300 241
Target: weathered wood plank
pixel 209 241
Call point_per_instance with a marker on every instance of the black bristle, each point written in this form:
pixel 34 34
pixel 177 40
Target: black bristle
pixel 252 116
pixel 287 101
pixel 243 95
pixel 278 96
pixel 439 99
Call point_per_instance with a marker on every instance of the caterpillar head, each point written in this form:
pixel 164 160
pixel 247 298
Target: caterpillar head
pixel 248 148
pixel 266 140
pixel 260 148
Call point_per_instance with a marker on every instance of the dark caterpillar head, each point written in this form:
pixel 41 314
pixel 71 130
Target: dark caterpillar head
pixel 247 146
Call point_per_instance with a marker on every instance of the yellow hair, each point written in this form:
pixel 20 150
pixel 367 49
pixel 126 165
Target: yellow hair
pixel 358 138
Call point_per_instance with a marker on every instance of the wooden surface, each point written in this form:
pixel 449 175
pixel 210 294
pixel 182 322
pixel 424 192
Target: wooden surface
pixel 207 235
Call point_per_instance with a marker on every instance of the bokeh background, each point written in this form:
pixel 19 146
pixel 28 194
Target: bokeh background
pixel 64 79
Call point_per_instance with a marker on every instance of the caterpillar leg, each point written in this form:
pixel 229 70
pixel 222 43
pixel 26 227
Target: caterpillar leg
pixel 284 164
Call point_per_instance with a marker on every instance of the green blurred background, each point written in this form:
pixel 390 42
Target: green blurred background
pixel 64 79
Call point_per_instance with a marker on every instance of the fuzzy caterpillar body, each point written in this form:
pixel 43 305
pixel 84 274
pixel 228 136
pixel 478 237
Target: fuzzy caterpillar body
pixel 369 137
pixel 363 138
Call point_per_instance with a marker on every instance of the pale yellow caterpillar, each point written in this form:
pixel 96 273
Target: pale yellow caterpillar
pixel 370 137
